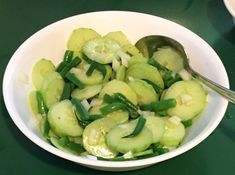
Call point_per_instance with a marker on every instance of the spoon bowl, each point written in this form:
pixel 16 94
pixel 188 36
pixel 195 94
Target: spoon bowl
pixel 150 44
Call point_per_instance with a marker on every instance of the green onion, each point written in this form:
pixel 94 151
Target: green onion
pixel 68 56
pixel 109 99
pixel 139 126
pixel 42 109
pixel 71 77
pixel 159 105
pixel 66 91
pixel 95 117
pixel 91 69
pixel 187 123
pixel 127 102
pixel 154 63
pixel 112 107
pixel 72 146
pixel 80 110
pixel 172 80
pixel 94 65
pixel 63 141
pixel 101 68
pixel 157 89
pixel 44 127
pixel 75 147
pixel 76 61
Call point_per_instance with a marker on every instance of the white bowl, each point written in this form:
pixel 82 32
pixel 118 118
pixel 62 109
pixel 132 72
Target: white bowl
pixel 230 5
pixel 50 42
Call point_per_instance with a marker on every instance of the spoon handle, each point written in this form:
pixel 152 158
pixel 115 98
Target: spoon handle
pixel 227 93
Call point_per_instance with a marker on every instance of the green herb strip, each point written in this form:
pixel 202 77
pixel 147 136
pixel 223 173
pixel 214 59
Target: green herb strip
pixel 112 107
pixel 42 109
pixel 139 126
pixel 157 89
pixel 81 112
pixel 72 78
pixel 76 61
pixel 100 67
pixel 187 123
pixel 159 105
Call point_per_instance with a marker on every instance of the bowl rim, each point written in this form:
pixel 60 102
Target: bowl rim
pixel 229 8
pixel 100 163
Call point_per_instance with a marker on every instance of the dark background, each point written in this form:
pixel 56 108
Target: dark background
pixel 208 18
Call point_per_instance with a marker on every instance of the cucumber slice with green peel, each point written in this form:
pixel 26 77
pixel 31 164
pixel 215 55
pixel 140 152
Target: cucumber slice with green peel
pixel 87 92
pixel 63 120
pixel 117 116
pixel 52 88
pixel 33 102
pixel 170 58
pixel 173 135
pixel 137 59
pixel 79 37
pixel 145 92
pixel 94 138
pixel 126 45
pixel 102 50
pixel 145 71
pixel 190 96
pixel 156 125
pixel 121 72
pixel 41 70
pixel 135 144
pixel 116 86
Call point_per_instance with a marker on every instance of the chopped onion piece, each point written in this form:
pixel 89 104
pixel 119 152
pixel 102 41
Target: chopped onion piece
pixel 85 104
pixel 186 98
pixel 185 75
pixel 175 120
pixel 130 78
pixel 115 64
pixel 128 155
pixel 124 57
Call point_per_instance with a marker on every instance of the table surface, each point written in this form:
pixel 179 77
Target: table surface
pixel 207 18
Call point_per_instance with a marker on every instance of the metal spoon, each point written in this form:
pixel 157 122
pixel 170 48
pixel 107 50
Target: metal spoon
pixel 149 44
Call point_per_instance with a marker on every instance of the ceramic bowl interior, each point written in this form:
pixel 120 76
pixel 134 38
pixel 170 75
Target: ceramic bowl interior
pixel 50 42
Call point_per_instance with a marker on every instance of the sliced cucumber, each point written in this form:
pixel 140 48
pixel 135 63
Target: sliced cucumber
pixel 63 121
pixel 117 116
pixel 137 59
pixel 121 72
pixel 41 69
pixel 145 92
pixel 101 50
pixel 87 92
pixel 79 37
pixel 126 45
pixel 115 86
pixel 52 88
pixel 190 97
pixel 169 58
pixel 145 71
pixel 94 138
pixel 156 125
pixel 173 135
pixel 135 144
